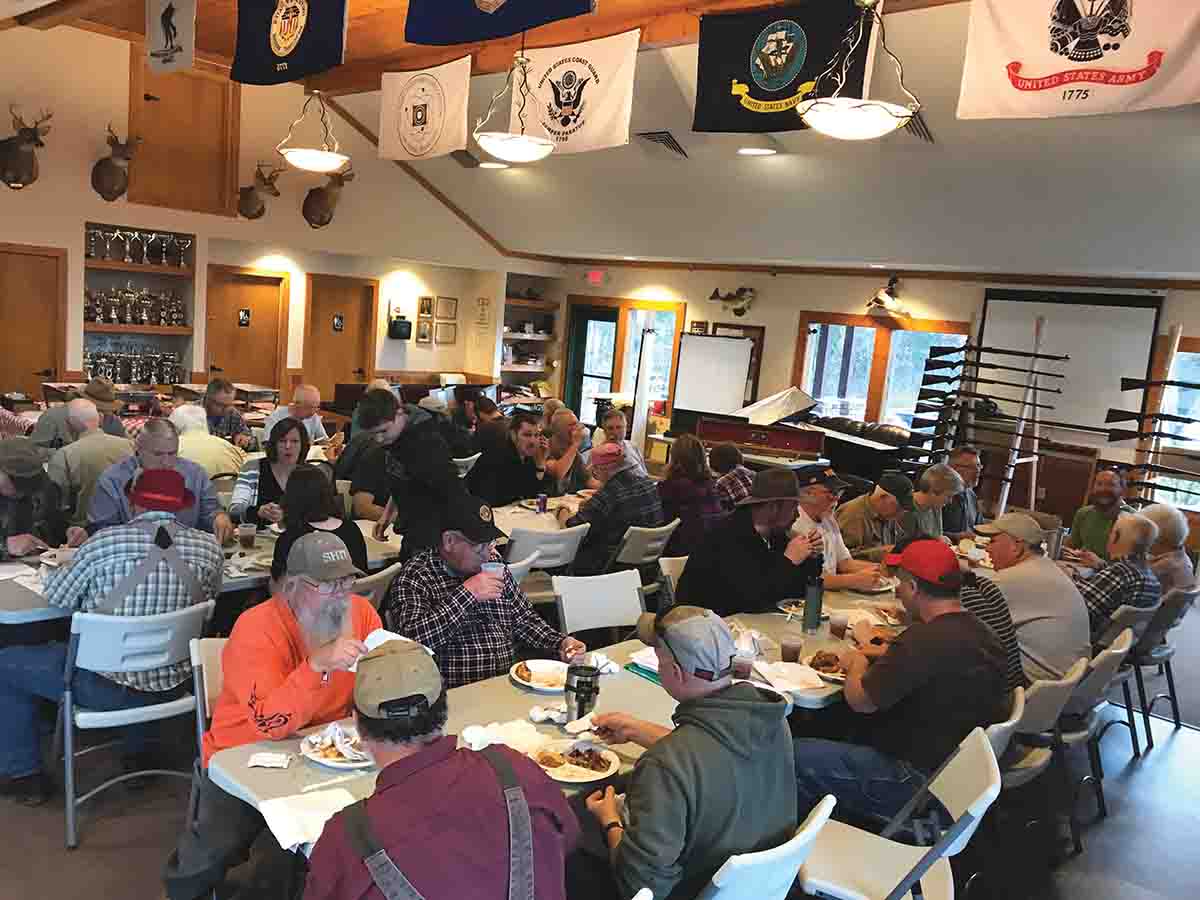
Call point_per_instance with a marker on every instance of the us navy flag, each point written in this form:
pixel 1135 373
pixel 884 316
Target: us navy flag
pixel 462 21
pixel 755 68
pixel 285 40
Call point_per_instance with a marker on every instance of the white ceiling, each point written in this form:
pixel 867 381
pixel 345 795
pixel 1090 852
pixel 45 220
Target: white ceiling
pixel 1087 195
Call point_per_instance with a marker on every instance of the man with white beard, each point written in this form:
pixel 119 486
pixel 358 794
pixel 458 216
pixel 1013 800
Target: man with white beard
pixel 286 667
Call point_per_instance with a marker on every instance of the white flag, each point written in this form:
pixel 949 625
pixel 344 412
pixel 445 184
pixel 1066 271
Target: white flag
pixel 170 34
pixel 424 114
pixel 1041 58
pixel 581 96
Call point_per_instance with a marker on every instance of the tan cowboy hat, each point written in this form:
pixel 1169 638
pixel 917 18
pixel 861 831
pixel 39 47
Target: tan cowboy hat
pixel 101 391
pixel 771 485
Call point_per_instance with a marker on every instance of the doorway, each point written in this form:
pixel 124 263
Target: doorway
pixel 339 331
pixel 246 335
pixel 33 295
pixel 591 359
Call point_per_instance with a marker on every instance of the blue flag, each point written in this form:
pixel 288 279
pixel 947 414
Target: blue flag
pixel 444 22
pixel 286 40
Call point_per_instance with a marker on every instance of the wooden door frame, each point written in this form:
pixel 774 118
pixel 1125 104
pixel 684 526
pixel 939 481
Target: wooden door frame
pixel 373 328
pixel 284 316
pixel 59 254
pixel 884 326
pixel 625 305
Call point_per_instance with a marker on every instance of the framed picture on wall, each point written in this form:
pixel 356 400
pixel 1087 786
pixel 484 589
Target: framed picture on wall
pixel 699 327
pixel 756 333
pixel 424 331
pixel 447 308
pixel 445 332
pixel 424 306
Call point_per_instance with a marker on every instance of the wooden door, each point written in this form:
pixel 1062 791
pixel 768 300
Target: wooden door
pixel 245 338
pixel 32 297
pixel 339 344
pixel 189 123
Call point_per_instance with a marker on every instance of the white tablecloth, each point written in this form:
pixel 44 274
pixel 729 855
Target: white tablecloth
pixel 517 516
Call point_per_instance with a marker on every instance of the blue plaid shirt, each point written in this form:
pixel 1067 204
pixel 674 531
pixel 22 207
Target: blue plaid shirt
pixel 229 425
pixel 1126 582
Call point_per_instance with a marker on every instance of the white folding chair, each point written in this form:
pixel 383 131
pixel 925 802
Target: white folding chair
pixel 1153 649
pixel 375 587
pixel 554 548
pixel 120 644
pixel 852 864
pixel 598 601
pixel 768 874
pixel 207 680
pixel 223 485
pixel 642 546
pixel 672 569
pixel 466 464
pixel 521 569
pixel 1000 733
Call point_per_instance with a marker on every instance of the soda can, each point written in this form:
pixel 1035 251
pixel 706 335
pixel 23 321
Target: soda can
pixel 543 503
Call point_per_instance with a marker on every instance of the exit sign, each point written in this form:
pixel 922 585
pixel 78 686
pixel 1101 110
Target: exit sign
pixel 595 277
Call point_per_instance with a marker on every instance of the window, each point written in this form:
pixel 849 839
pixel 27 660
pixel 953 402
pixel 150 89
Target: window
pixel 663 323
pixel 599 350
pixel 868 367
pixel 1185 402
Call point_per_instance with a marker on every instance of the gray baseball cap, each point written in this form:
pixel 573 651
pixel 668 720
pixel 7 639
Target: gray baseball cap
pixel 698 638
pixel 1019 525
pixel 395 680
pixel 322 557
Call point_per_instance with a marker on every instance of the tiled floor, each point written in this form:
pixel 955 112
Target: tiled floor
pixel 1145 850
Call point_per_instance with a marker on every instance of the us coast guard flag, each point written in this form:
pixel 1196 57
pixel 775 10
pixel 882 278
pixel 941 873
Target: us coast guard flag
pixel 581 94
pixel 1041 58
pixel 170 34
pixel 424 114
pixel 286 40
pixel 462 21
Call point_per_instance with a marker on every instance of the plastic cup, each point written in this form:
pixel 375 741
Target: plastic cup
pixel 246 533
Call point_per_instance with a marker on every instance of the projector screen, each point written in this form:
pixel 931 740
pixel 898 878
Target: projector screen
pixel 1107 336
pixel 712 373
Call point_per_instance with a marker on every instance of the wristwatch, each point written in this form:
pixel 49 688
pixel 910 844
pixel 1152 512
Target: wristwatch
pixel 611 825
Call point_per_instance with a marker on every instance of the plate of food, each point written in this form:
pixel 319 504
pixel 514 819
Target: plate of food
pixel 586 493
pixel 546 676
pixel 828 665
pixel 882 586
pixel 58 557
pixel 890 615
pixel 577 762
pixel 337 748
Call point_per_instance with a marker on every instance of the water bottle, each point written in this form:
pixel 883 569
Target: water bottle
pixel 814 595
pixel 583 684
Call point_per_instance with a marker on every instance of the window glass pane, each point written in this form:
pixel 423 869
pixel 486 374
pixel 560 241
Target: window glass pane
pixel 906 367
pixel 601 347
pixel 663 323
pixel 837 369
pixel 1179 402
pixel 591 387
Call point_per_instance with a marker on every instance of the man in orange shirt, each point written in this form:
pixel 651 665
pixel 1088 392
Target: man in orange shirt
pixel 286 667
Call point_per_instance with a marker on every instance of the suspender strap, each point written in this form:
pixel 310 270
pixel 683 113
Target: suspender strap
pixel 520 828
pixel 142 571
pixel 389 879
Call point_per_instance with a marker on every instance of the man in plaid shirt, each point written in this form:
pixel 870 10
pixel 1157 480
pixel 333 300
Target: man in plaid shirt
pixel 1125 581
pixel 29 674
pixel 470 618
pixel 224 421
pixel 735 481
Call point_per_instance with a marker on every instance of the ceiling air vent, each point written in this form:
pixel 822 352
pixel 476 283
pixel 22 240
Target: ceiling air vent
pixel 664 139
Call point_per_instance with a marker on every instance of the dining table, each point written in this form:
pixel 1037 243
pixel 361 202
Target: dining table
pixel 524 515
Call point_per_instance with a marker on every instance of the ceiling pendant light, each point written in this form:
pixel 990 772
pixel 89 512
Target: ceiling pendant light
pixel 851 118
pixel 323 159
pixel 513 146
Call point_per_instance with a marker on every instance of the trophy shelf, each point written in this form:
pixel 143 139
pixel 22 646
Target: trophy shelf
pixel 117 328
pixel 116 265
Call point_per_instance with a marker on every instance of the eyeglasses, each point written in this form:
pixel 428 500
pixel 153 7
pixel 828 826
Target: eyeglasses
pixel 329 588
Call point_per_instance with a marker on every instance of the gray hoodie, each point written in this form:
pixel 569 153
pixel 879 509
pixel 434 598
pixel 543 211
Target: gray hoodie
pixel 723 782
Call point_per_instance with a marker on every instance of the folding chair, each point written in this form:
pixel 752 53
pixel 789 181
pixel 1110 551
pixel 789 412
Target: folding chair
pixel 672 569
pixel 466 464
pixel 769 874
pixel 1001 733
pixel 1152 649
pixel 520 569
pixel 555 549
pixel 851 864
pixel 375 587
pixel 599 601
pixel 223 485
pixel 642 547
pixel 121 644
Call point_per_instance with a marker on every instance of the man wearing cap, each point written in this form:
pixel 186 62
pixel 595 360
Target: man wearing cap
pixel 720 783
pixel 747 563
pixel 465 848
pixel 513 468
pixel 820 489
pixel 28 506
pixel 151 565
pixel 77 467
pixel 870 524
pixel 157 447
pixel 1046 607
pixel 286 667
pixel 625 499
pixel 54 430
pixel 916 698
pixel 961 514
pixel 470 618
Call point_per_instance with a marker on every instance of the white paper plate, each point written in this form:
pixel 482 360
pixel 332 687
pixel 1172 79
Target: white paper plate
pixel 839 678
pixel 886 586
pixel 543 666
pixel 572 774
pixel 309 752
pixel 59 557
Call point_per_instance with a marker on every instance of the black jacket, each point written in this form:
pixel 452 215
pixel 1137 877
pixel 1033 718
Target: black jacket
pixel 501 477
pixel 736 571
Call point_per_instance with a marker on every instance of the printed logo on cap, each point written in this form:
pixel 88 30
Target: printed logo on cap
pixel 485 513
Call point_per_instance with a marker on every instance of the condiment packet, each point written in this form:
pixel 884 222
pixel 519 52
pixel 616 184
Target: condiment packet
pixel 269 760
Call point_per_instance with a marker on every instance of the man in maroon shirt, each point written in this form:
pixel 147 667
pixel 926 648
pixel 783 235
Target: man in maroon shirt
pixel 439 814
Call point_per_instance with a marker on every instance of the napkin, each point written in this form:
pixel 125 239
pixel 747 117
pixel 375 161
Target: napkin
pixel 336 736
pixel 298 820
pixel 854 616
pixel 32 581
pixel 603 663
pixel 12 570
pixel 646 658
pixel 556 714
pixel 788 677
pixel 517 734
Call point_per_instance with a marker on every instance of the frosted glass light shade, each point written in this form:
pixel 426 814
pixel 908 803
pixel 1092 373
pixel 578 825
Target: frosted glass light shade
pixel 851 119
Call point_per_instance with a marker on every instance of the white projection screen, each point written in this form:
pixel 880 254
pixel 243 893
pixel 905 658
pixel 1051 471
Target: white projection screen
pixel 1107 336
pixel 712 373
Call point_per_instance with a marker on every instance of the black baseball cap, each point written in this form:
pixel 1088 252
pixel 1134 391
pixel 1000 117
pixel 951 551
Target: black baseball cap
pixel 810 475
pixel 898 485
pixel 472 517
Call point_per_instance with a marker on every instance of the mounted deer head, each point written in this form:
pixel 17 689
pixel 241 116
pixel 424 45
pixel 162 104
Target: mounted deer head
pixel 18 161
pixel 110 174
pixel 320 202
pixel 250 199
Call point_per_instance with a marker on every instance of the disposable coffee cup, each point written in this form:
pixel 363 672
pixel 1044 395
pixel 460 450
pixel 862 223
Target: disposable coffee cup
pixel 246 533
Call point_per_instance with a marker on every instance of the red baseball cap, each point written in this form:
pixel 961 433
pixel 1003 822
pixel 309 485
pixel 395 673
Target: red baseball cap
pixel 930 560
pixel 160 489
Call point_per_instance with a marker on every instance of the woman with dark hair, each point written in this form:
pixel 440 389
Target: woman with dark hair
pixel 689 493
pixel 261 482
pixel 310 504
